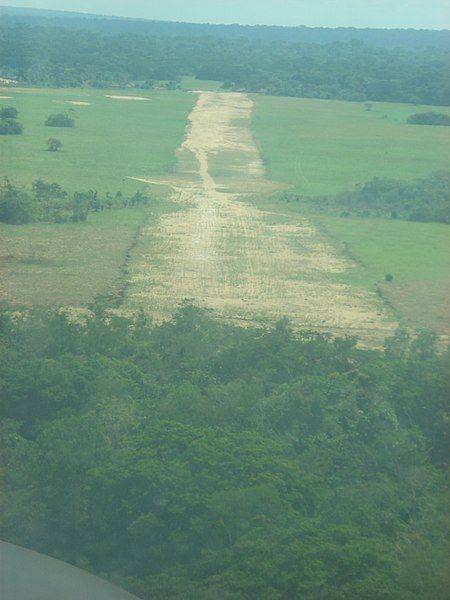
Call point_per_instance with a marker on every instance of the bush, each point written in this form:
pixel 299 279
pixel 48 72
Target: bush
pixel 8 112
pixel 429 118
pixel 60 120
pixel 422 200
pixel 16 206
pixel 10 127
pixel 389 277
pixel 53 145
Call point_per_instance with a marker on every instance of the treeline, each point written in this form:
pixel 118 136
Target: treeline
pixel 48 202
pixel 61 57
pixel 426 199
pixel 430 118
pixel 390 38
pixel 199 460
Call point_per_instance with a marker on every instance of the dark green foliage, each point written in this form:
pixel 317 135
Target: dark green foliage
pixel 396 38
pixel 346 70
pixel 8 112
pixel 54 145
pixel 199 460
pixel 389 277
pixel 16 206
pixel 60 120
pixel 48 202
pixel 10 127
pixel 429 118
pixel 44 190
pixel 426 200
pixel 8 123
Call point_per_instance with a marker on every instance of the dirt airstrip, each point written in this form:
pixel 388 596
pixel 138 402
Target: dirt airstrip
pixel 224 253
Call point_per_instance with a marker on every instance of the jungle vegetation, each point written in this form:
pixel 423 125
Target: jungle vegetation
pixel 346 70
pixel 200 460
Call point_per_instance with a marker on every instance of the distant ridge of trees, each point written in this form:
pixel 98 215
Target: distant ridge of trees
pixel 387 38
pixel 351 70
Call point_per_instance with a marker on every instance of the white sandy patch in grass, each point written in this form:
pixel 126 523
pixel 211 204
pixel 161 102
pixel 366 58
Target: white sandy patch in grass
pixel 5 97
pixel 126 97
pixel 78 103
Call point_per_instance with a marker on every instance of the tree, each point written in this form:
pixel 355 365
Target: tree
pixel 8 112
pixel 60 120
pixel 53 145
pixel 10 127
pixel 16 206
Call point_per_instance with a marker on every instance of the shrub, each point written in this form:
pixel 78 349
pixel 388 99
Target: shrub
pixel 53 145
pixel 16 206
pixel 10 127
pixel 429 118
pixel 389 277
pixel 60 120
pixel 8 112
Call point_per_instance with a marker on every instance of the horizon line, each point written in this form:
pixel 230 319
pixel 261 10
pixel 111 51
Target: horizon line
pixel 147 19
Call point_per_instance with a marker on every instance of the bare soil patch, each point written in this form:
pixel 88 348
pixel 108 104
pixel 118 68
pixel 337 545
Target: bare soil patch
pixel 135 98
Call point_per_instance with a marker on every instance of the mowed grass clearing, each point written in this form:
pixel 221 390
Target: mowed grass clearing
pixel 205 85
pixel 112 139
pixel 65 264
pixel 75 263
pixel 324 147
pixel 417 255
pixel 327 146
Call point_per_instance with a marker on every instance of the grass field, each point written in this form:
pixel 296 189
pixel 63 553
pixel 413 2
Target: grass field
pixel 339 144
pixel 67 264
pixel 74 263
pixel 325 146
pixel 416 254
pixel 322 147
pixel 192 83
pixel 112 138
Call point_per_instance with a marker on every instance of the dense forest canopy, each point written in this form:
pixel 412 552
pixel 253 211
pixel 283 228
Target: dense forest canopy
pixel 200 460
pixel 347 70
pixel 389 38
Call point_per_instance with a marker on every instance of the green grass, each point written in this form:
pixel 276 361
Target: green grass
pixel 409 251
pixel 74 263
pixel 66 264
pixel 325 146
pixel 112 139
pixel 416 254
pixel 192 83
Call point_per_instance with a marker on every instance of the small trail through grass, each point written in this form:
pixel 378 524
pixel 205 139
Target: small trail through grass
pixel 246 264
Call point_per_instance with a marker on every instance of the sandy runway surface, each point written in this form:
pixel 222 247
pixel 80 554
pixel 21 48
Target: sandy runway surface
pixel 225 254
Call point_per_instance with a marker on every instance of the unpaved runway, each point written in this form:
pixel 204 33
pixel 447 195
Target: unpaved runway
pixel 227 255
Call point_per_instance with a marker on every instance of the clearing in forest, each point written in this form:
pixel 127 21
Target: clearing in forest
pixel 223 253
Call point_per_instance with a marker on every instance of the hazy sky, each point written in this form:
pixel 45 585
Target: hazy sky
pixel 331 13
